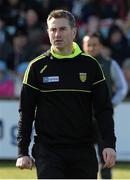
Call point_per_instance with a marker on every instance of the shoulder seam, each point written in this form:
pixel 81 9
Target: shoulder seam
pixel 29 66
pixel 31 86
pixel 86 54
pixel 98 81
pixel 38 58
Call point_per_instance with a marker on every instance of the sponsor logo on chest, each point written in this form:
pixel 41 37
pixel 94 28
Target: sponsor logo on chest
pixel 49 79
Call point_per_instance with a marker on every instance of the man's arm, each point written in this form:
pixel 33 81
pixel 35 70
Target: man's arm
pixel 120 84
pixel 103 113
pixel 27 113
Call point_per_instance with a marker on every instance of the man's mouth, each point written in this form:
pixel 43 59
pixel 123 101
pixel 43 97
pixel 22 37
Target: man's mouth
pixel 58 41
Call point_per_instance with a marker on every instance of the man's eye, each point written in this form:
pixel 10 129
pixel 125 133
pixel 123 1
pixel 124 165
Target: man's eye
pixel 63 29
pixel 52 30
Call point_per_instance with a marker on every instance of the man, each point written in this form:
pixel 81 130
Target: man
pixel 117 84
pixel 126 71
pixel 59 89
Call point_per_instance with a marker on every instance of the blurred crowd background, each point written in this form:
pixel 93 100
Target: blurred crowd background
pixel 23 34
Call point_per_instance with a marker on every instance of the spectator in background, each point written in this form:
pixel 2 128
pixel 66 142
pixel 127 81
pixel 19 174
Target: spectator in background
pixel 19 46
pixel 32 22
pixel 2 8
pixel 3 33
pixel 12 11
pixel 77 8
pixel 6 83
pixel 58 4
pixel 118 43
pixel 112 9
pixel 84 9
pixel 127 26
pixel 45 7
pixel 92 44
pixel 104 26
pixel 93 24
pixel 126 70
pixel 5 46
pixel 35 45
pixel 20 70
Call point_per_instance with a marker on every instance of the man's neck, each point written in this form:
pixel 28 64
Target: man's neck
pixel 63 52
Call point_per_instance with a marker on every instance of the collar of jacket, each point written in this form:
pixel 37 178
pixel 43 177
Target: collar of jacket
pixel 75 53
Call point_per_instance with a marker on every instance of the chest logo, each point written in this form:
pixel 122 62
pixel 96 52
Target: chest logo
pixel 82 77
pixel 50 79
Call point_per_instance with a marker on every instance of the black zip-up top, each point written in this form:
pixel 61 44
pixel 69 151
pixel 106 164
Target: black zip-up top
pixel 58 94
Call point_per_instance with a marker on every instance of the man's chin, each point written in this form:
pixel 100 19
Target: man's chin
pixel 59 47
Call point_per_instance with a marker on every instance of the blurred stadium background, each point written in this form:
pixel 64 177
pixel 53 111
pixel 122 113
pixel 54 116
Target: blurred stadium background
pixel 23 36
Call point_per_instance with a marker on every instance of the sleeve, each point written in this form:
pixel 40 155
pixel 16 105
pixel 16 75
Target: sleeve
pixel 103 110
pixel 99 75
pixel 28 102
pixel 120 84
pixel 30 76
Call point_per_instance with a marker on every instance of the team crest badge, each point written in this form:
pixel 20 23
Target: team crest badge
pixel 83 77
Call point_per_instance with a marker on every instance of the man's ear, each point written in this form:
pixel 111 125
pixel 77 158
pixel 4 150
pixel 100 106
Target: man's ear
pixel 47 31
pixel 74 32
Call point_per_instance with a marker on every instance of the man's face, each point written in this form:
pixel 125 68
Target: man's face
pixel 61 34
pixel 127 74
pixel 92 46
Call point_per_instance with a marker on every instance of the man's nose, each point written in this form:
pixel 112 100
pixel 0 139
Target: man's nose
pixel 58 33
pixel 91 48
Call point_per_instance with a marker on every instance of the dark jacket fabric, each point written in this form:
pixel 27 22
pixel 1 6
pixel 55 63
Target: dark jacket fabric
pixel 106 67
pixel 58 95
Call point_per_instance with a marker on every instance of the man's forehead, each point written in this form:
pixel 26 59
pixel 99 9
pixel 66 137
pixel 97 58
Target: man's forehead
pixel 86 38
pixel 58 22
pixel 90 39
